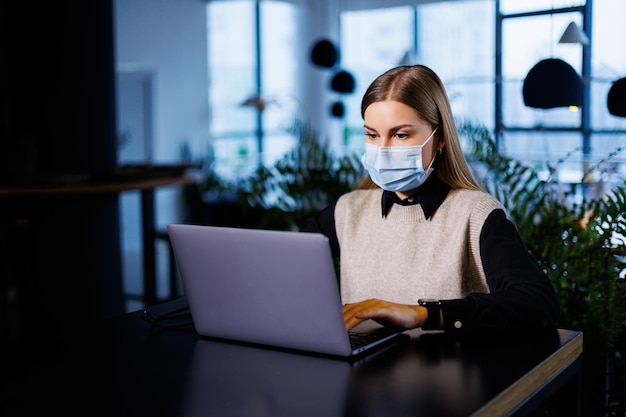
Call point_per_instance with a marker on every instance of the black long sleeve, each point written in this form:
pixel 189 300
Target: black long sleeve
pixel 521 295
pixel 324 222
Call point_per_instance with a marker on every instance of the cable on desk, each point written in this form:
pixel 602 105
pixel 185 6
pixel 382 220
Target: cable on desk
pixel 170 315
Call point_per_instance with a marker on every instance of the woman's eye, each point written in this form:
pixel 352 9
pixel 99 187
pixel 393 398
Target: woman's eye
pixel 370 135
pixel 402 135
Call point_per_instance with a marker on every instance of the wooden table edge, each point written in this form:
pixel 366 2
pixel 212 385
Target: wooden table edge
pixel 505 402
pixel 103 187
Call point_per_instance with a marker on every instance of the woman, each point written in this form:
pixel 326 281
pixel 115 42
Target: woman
pixel 420 243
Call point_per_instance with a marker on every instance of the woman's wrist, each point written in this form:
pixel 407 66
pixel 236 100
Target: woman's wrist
pixel 434 317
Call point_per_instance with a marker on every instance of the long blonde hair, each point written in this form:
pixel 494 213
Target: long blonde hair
pixel 419 87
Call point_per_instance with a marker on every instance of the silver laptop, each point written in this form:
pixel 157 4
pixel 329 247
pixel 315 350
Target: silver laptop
pixel 273 288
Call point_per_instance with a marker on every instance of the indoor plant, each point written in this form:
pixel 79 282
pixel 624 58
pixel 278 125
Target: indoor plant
pixel 581 246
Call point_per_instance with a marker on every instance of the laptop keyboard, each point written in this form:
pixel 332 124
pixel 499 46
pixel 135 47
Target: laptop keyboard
pixel 361 339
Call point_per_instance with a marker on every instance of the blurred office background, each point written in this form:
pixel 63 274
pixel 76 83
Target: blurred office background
pixel 87 87
pixel 186 69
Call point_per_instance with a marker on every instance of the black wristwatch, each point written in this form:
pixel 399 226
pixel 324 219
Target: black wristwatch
pixel 434 313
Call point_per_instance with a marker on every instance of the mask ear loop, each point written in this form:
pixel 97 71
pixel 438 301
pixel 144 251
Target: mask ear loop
pixel 439 151
pixel 424 144
pixel 432 161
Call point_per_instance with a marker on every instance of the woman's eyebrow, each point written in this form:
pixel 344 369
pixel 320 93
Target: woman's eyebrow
pixel 402 126
pixel 393 129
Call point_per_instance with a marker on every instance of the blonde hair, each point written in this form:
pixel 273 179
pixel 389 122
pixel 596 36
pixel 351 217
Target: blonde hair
pixel 419 87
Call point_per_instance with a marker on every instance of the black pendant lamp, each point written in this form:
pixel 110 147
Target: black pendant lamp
pixel 343 82
pixel 616 99
pixel 337 109
pixel 552 83
pixel 324 54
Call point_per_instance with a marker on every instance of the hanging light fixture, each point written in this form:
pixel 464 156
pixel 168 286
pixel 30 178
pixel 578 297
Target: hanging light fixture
pixel 574 34
pixel 343 82
pixel 616 99
pixel 407 59
pixel 552 83
pixel 324 54
pixel 337 109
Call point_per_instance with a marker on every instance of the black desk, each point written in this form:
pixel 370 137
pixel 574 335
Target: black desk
pixel 153 371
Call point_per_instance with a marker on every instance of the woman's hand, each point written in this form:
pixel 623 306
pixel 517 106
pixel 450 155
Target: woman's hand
pixel 384 312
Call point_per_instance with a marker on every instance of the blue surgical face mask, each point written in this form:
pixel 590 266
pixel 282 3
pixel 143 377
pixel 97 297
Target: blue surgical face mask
pixel 396 168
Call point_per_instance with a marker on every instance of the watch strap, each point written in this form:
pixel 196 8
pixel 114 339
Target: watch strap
pixel 434 313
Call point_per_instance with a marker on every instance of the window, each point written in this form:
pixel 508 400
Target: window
pixel 253 78
pixel 525 42
pixel 253 54
pixel 458 40
pixel 558 136
pixel 372 41
pixel 453 38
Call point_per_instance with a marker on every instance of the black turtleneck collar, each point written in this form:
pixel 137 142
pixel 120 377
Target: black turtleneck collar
pixel 429 196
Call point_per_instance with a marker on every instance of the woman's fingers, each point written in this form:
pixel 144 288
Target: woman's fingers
pixel 404 316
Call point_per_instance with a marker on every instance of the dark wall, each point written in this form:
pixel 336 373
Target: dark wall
pixel 57 89
pixel 60 260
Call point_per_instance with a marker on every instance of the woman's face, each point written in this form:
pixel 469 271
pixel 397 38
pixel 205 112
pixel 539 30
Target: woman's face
pixel 391 123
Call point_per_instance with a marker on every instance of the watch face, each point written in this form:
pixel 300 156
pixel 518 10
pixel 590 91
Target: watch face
pixel 423 301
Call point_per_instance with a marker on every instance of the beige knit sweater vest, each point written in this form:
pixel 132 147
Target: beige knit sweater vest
pixel 404 256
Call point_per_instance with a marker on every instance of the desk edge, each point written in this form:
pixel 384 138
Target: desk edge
pixel 509 399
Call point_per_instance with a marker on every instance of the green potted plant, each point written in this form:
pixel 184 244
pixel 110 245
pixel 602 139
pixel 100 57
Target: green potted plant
pixel 300 183
pixel 280 196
